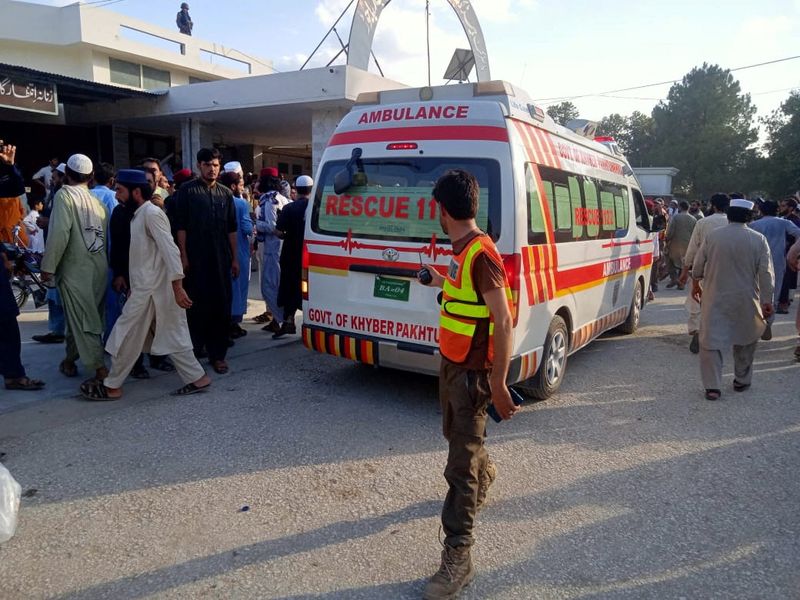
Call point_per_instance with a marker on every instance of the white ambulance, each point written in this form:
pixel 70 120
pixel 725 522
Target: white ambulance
pixel 565 213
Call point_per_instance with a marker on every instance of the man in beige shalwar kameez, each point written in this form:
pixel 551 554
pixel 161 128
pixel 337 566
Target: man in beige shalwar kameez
pixel 735 268
pixel 75 254
pixel 154 316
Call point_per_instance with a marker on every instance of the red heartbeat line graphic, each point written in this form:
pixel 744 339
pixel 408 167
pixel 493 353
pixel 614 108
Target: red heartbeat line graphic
pixel 348 244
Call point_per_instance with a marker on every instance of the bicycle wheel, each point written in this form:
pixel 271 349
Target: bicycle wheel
pixel 20 293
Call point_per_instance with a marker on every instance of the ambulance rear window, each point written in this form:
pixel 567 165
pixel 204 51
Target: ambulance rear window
pixel 396 202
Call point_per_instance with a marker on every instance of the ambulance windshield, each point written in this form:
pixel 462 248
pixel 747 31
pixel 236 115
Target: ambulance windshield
pixel 396 202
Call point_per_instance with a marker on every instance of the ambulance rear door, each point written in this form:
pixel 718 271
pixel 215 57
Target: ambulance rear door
pixel 365 244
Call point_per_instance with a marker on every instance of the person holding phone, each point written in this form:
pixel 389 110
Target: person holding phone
pixel 475 328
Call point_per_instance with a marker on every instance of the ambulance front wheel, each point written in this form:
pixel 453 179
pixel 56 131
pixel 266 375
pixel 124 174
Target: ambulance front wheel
pixel 554 362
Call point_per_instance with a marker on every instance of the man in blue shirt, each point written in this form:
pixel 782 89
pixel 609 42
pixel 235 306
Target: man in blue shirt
pixel 103 188
pixel 776 231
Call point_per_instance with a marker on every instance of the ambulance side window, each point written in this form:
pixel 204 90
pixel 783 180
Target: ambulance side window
pixel 621 210
pixel 536 222
pixel 642 218
pixel 576 207
pixel 592 208
pixel 563 210
pixel 607 214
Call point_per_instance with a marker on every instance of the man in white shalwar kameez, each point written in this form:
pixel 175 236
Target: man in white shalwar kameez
pixel 154 316
pixel 735 268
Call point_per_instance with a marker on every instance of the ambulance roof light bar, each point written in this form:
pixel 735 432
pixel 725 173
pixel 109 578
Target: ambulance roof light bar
pixel 368 98
pixel 610 143
pixel 492 88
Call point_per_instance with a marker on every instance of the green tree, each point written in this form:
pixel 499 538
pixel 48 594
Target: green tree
pixel 639 139
pixel 634 134
pixel 614 125
pixel 563 112
pixel 783 148
pixel 704 128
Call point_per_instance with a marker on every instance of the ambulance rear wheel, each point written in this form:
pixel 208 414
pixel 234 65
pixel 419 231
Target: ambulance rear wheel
pixel 631 324
pixel 554 362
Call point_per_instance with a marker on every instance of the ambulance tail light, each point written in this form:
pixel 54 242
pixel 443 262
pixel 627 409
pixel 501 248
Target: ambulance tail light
pixel 304 280
pixel 512 264
pixel 402 146
pixel 605 139
pixel 492 88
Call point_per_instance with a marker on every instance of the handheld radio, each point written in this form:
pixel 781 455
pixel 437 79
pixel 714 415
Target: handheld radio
pixel 424 275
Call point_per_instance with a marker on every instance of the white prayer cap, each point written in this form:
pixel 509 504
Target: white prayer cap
pixel 304 181
pixel 80 163
pixel 62 168
pixel 233 166
pixel 740 203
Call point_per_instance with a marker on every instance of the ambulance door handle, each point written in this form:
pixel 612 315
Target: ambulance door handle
pixel 378 270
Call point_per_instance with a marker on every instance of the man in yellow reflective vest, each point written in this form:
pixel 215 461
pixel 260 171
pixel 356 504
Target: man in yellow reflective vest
pixel 475 328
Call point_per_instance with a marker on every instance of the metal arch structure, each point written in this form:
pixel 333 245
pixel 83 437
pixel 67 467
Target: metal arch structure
pixel 365 21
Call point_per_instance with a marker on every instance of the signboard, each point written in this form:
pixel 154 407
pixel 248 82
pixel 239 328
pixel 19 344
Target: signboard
pixel 26 95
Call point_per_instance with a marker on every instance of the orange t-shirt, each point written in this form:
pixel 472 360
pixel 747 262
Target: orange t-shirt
pixel 11 215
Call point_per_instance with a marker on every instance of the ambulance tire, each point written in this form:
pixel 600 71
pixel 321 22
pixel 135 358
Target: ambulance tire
pixel 554 363
pixel 631 324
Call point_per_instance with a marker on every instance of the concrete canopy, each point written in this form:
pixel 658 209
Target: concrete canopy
pixel 272 110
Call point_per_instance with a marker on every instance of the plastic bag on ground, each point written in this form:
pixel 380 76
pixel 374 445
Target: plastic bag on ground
pixel 10 492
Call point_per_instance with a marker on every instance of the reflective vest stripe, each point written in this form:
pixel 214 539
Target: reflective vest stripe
pixel 457 326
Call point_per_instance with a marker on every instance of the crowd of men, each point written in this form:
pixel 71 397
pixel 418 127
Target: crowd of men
pixel 138 264
pixel 169 266
pixel 741 260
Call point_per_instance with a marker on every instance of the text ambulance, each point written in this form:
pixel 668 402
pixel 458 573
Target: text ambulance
pixel 564 211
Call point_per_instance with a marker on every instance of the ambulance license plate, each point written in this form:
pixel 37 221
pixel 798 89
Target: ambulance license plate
pixel 393 289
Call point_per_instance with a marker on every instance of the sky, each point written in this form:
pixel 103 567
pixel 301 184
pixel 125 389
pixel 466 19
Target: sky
pixel 554 49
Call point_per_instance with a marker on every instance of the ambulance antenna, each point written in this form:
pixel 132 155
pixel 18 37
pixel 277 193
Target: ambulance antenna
pixel 428 36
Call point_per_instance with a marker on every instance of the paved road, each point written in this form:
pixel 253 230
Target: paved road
pixel 626 485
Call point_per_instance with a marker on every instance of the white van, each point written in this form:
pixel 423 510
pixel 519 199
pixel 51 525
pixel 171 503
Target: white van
pixel 563 210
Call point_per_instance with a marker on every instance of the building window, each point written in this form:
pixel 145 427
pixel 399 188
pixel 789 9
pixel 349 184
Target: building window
pixel 136 75
pixel 154 79
pixel 125 73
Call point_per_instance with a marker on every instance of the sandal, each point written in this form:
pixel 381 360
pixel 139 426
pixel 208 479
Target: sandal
pixel 713 394
pixel 94 390
pixel 262 318
pixel 220 366
pixel 69 369
pixel 24 384
pixel 740 387
pixel 188 390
